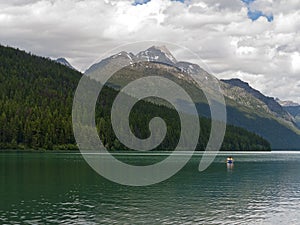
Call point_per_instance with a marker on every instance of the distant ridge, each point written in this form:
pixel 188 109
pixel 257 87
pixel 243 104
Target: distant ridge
pixel 268 103
pixel 287 103
pixel 64 62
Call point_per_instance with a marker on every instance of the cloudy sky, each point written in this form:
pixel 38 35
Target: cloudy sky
pixel 255 40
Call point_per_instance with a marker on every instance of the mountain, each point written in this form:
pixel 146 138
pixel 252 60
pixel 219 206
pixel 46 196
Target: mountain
pixel 64 62
pixel 246 107
pixel 244 94
pixel 36 98
pixel 122 58
pixel 153 54
pixel 157 53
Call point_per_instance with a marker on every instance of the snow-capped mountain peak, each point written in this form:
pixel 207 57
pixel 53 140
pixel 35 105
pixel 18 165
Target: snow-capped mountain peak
pixel 157 54
pixel 160 54
pixel 130 56
pixel 166 51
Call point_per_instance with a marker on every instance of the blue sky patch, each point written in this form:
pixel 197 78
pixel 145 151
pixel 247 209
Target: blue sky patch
pixel 140 2
pixel 256 14
pixel 248 1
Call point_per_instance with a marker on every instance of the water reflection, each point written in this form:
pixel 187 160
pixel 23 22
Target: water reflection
pixel 230 167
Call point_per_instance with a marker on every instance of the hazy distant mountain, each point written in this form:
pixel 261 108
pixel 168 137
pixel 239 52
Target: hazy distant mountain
pixel 246 107
pixel 287 103
pixel 293 108
pixel 295 112
pixel 65 62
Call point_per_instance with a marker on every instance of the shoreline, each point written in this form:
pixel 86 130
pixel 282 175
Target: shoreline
pixel 137 153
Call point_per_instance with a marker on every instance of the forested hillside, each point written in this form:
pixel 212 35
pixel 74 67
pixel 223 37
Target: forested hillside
pixel 36 96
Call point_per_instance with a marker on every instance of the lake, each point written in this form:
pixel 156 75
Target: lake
pixel 56 188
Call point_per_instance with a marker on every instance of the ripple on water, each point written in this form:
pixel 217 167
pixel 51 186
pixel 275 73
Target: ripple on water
pixel 260 189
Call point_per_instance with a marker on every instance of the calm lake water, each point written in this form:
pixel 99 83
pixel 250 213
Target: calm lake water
pixel 39 188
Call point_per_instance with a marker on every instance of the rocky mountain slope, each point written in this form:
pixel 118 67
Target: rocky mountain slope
pixel 246 107
pixel 242 93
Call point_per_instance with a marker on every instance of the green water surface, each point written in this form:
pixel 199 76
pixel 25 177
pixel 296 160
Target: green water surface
pixel 60 188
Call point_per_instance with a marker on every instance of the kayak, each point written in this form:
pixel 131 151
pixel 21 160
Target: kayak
pixel 229 160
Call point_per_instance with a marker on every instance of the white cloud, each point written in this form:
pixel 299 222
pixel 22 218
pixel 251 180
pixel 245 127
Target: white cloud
pixel 262 53
pixel 296 62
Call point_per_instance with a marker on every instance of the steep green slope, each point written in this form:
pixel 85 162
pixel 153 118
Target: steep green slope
pixel 280 135
pixel 235 138
pixel 36 96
